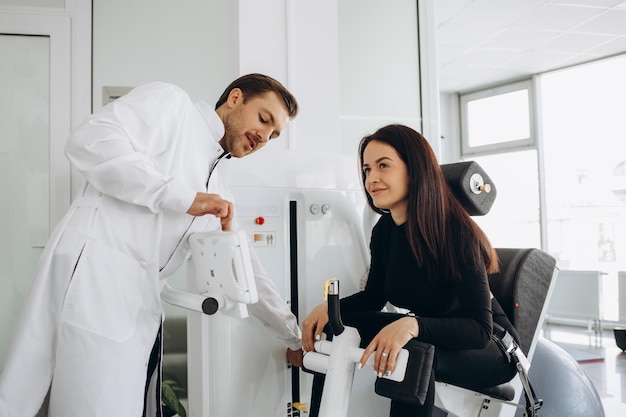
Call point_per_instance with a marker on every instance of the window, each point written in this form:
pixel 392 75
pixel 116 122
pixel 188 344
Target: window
pixel 584 147
pixel 498 133
pixel 497 118
pixel 565 193
pixel 513 221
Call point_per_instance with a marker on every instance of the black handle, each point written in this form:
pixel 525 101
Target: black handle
pixel 334 311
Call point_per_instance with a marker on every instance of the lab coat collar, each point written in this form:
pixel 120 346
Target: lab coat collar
pixel 213 121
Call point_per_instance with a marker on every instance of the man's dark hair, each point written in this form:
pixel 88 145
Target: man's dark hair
pixel 253 85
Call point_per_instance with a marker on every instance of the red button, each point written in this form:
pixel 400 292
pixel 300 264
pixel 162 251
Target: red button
pixel 259 220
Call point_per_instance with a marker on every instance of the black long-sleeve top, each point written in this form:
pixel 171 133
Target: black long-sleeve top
pixel 454 314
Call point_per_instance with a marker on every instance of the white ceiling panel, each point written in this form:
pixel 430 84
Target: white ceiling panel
pixel 481 43
pixel 612 22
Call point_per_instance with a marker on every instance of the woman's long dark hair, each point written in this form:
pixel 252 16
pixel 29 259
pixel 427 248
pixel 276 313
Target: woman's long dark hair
pixel 435 218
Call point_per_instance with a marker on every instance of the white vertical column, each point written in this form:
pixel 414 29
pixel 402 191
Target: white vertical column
pixel 429 81
pixel 296 41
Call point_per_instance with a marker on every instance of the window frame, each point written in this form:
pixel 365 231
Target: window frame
pixel 520 144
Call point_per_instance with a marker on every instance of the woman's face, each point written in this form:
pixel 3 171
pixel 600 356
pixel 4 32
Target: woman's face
pixel 386 179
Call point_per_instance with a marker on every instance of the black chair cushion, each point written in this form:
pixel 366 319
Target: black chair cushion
pixel 504 392
pixel 521 288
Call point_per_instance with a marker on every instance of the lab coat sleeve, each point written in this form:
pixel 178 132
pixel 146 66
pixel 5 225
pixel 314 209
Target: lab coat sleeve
pixel 116 148
pixel 272 309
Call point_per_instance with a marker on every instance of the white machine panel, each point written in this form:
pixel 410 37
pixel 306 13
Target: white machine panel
pixel 303 238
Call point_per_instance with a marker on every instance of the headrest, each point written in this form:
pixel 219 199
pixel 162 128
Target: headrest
pixel 471 185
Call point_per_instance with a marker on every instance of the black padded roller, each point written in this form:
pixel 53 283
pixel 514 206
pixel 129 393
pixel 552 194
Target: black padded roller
pixel 471 185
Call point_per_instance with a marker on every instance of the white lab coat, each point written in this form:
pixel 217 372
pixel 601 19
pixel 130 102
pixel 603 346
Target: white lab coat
pixel 91 318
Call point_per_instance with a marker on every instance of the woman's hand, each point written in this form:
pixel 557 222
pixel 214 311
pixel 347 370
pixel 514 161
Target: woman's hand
pixel 313 326
pixel 387 344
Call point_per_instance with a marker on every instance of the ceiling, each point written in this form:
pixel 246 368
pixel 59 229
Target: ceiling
pixel 486 42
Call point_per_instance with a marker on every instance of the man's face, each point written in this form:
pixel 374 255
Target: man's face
pixel 250 125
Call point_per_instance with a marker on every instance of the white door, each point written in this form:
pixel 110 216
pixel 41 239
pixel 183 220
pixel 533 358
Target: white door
pixel 34 174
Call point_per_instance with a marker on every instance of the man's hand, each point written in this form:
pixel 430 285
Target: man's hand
pixel 213 204
pixel 294 357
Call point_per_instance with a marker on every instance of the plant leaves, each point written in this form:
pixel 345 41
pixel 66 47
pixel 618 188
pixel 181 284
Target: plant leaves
pixel 170 399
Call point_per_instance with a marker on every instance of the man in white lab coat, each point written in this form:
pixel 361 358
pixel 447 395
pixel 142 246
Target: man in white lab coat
pixel 94 312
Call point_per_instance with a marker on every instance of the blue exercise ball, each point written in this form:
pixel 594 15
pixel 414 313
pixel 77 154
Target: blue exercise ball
pixel 561 383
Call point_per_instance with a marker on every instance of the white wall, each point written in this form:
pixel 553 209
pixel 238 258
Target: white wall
pixel 378 67
pixel 352 64
pixel 187 42
pixel 60 4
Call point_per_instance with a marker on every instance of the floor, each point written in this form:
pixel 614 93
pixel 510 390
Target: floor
pixel 600 358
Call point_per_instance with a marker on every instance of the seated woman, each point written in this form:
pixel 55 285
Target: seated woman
pixel 427 256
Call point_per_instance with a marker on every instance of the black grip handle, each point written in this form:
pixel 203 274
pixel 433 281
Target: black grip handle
pixel 334 310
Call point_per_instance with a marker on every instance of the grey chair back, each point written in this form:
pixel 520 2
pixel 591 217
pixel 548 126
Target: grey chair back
pixel 522 287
